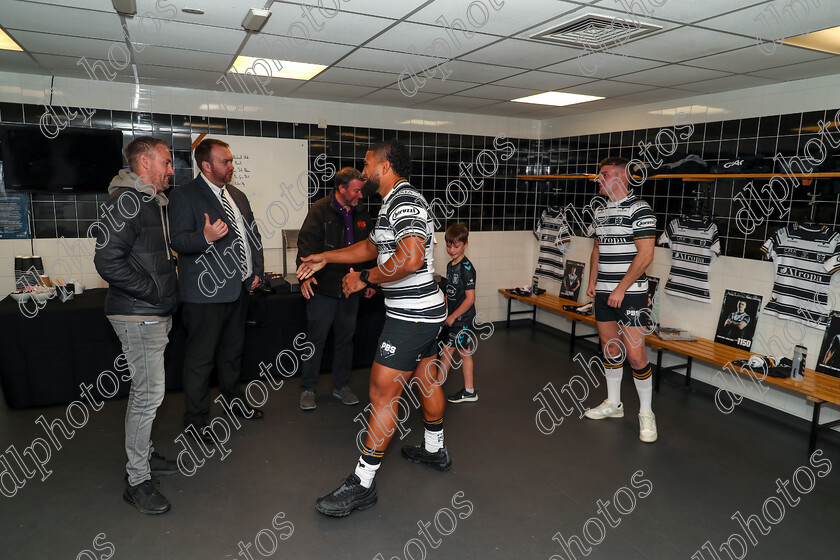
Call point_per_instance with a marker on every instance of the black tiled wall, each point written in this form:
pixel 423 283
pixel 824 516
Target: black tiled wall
pixel 499 201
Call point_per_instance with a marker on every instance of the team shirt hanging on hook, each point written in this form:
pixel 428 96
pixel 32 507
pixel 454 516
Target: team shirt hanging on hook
pixel 553 233
pixel 694 245
pixel 805 258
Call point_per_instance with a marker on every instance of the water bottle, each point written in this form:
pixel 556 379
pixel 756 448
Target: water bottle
pixel 797 368
pixel 535 283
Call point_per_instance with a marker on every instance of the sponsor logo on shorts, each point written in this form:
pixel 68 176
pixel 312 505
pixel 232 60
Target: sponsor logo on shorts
pixel 386 350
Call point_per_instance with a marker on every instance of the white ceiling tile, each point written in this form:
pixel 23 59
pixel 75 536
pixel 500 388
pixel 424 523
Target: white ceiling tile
pixel 608 88
pixel 672 75
pixel 543 81
pixel 657 94
pixel 430 40
pixel 478 72
pixel 93 49
pixel 62 20
pixel 776 20
pixel 602 65
pixel 445 87
pixel 305 22
pixel 500 17
pixel 331 92
pixel 753 59
pixel 396 98
pixel 284 48
pixel 726 84
pixel 183 58
pixel 681 44
pixel 394 10
pixel 521 54
pixel 499 93
pixel 682 12
pixel 457 102
pixel 387 61
pixel 351 76
pixel 823 67
pixel 67 66
pixel 186 36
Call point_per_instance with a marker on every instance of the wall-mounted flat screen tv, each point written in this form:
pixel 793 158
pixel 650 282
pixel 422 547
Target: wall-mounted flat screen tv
pixel 77 160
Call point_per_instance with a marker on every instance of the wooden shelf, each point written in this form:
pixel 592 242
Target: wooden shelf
pixel 695 177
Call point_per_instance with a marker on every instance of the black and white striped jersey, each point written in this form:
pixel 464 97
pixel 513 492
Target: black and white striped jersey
pixel 801 255
pixel 553 232
pixel 694 245
pixel 405 213
pixel 617 226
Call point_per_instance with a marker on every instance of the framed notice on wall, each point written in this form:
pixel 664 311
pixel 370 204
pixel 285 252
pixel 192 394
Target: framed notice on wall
pixel 738 318
pixel 14 216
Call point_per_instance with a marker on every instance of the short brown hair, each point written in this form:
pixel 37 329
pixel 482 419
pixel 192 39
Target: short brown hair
pixel 457 233
pixel 617 161
pixel 141 146
pixel 345 175
pixel 202 151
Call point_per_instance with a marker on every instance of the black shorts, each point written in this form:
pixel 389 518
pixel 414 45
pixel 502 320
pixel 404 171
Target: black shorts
pixel 628 314
pixel 458 335
pixel 403 344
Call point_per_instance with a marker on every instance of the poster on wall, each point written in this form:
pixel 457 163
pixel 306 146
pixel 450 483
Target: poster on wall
pixel 14 216
pixel 828 360
pixel 572 279
pixel 738 318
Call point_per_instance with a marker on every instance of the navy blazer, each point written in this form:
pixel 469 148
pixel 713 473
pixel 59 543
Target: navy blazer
pixel 208 272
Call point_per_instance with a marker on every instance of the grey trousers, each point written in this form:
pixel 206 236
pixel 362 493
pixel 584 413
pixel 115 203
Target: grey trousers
pixel 143 345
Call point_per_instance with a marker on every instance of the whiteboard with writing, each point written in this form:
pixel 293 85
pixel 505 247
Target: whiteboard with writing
pixel 273 174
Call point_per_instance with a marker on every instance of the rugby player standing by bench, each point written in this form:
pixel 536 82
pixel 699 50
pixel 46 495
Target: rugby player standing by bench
pixel 624 230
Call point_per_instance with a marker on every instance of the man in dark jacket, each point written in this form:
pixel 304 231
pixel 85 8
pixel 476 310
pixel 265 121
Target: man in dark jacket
pixel 334 222
pixel 220 258
pixel 133 256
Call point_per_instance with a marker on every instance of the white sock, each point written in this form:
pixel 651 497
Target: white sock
pixel 433 440
pixel 614 385
pixel 645 389
pixel 366 472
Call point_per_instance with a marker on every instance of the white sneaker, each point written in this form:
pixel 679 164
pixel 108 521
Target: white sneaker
pixel 647 427
pixel 606 409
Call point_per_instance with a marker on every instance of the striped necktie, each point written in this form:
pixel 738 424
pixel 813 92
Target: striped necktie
pixel 234 226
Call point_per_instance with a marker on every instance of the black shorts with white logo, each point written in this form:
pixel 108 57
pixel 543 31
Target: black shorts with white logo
pixel 458 335
pixel 628 314
pixel 404 343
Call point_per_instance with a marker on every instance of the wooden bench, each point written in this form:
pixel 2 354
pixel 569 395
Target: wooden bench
pixel 817 387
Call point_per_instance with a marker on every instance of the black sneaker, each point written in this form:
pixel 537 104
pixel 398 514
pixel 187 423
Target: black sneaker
pixel 439 460
pixel 146 498
pixel 347 497
pixel 463 396
pixel 160 466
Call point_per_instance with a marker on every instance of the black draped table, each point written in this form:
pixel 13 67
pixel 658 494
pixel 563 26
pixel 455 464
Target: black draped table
pixel 44 359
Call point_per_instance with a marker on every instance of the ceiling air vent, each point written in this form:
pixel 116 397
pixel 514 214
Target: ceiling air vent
pixel 595 32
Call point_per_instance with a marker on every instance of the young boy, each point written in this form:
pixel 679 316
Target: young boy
pixel 460 302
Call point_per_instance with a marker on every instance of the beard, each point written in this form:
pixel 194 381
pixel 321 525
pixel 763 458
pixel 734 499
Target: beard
pixel 370 187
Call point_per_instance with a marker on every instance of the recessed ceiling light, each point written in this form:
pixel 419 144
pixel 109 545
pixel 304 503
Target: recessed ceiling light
pixel 195 11
pixel 827 40
pixel 272 68
pixel 556 98
pixel 125 7
pixel 7 43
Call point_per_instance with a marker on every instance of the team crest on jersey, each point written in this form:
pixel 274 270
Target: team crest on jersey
pixel 386 349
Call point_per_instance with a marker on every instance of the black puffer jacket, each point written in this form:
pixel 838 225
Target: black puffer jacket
pixel 133 253
pixel 323 230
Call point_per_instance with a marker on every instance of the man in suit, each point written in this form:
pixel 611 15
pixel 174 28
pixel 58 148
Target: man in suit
pixel 220 260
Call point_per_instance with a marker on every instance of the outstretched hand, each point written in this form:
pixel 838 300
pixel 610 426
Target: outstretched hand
pixel 310 265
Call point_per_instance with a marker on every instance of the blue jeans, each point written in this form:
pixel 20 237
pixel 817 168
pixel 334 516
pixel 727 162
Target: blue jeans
pixel 143 345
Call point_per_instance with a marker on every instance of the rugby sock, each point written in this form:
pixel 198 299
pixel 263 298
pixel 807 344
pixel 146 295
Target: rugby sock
pixel 614 371
pixel 433 439
pixel 369 462
pixel 643 379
